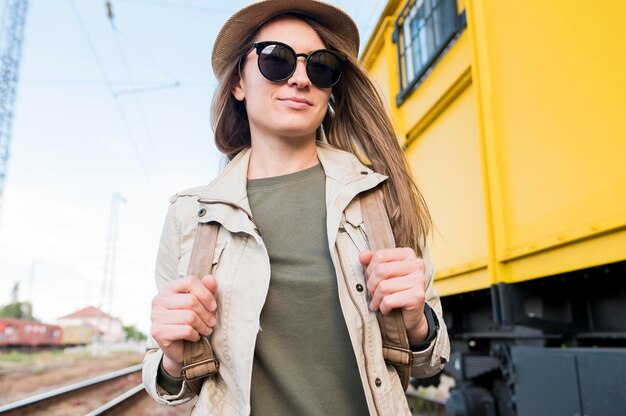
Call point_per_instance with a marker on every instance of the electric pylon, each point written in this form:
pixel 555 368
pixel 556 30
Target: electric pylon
pixel 12 23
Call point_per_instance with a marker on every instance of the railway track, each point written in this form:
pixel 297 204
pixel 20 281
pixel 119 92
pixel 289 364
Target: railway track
pixel 105 388
pixel 101 396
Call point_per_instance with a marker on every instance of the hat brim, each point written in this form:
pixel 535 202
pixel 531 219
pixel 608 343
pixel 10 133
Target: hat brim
pixel 248 19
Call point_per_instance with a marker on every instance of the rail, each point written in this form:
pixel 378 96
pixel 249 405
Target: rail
pixel 123 398
pixel 52 394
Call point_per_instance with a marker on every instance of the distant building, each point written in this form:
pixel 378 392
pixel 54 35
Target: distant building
pixel 107 327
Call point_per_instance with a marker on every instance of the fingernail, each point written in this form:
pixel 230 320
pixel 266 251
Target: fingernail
pixel 212 321
pixel 213 306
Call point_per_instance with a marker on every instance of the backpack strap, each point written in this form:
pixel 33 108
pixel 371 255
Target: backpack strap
pixel 198 359
pixel 396 350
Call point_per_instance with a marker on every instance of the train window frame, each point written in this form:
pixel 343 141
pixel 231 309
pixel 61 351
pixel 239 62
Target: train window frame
pixel 437 24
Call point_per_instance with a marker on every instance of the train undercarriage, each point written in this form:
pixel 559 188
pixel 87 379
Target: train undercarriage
pixel 549 346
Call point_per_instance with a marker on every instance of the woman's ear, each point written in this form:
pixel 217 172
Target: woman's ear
pixel 237 90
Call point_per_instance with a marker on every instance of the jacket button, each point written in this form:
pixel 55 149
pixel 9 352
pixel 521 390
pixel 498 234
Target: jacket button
pixel 201 212
pixel 364 172
pixel 378 382
pixel 359 287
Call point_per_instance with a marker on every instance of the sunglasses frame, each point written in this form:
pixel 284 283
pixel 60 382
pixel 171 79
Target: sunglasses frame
pixel 259 46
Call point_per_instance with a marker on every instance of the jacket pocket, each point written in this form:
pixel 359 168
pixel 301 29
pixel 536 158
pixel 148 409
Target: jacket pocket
pixel 397 398
pixel 216 399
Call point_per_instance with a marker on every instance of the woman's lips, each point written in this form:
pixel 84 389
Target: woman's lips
pixel 296 103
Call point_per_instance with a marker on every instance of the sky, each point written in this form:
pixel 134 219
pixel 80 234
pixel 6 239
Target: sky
pixel 109 107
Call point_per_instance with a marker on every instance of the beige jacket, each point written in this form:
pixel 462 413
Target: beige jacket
pixel 242 269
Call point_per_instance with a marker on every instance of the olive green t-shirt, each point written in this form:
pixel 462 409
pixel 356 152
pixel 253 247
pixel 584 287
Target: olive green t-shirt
pixel 303 362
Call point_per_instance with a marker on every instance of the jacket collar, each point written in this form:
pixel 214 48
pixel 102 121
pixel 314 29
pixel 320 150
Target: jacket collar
pixel 340 165
pixel 230 187
pixel 346 178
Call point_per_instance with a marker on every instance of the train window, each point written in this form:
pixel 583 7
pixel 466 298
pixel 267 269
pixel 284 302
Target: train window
pixel 424 30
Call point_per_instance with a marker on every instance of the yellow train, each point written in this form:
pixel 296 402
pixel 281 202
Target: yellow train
pixel 513 117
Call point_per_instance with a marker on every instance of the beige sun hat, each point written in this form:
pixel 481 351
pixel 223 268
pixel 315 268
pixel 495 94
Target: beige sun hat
pixel 248 19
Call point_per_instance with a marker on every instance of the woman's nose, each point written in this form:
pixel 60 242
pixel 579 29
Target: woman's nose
pixel 300 78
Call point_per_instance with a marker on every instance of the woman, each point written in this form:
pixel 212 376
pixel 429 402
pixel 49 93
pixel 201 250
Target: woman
pixel 306 133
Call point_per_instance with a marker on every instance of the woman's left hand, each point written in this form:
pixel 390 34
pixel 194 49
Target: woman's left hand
pixel 396 278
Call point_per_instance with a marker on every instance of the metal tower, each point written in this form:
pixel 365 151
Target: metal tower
pixel 12 23
pixel 106 293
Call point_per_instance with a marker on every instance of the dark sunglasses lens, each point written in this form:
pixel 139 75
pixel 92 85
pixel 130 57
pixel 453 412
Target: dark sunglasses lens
pixel 276 62
pixel 324 69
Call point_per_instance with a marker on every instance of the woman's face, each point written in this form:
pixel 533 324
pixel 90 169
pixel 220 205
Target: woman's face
pixel 291 109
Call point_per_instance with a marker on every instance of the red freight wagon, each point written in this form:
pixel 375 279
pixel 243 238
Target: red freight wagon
pixel 23 333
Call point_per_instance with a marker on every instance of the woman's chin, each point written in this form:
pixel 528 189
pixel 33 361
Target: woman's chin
pixel 297 128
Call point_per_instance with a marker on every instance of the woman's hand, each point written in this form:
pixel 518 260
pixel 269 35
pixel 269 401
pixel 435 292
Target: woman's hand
pixel 184 310
pixel 396 279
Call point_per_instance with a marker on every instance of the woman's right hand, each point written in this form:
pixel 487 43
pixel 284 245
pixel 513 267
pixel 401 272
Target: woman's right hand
pixel 183 310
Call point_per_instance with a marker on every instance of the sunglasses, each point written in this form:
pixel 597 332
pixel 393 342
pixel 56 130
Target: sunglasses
pixel 277 62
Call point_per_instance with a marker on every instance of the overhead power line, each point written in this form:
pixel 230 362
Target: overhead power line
pixel 135 90
pixel 142 86
pixel 123 40
pixel 181 6
pixel 120 111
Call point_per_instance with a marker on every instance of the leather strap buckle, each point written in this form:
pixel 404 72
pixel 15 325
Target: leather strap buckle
pixel 397 355
pixel 189 373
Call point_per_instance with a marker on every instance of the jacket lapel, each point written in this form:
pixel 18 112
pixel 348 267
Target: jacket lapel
pixel 346 177
pixel 226 199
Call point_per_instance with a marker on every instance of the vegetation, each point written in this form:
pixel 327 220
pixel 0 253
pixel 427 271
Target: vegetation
pixel 17 310
pixel 17 359
pixel 133 333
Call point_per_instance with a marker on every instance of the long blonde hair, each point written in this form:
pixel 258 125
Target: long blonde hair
pixel 357 122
